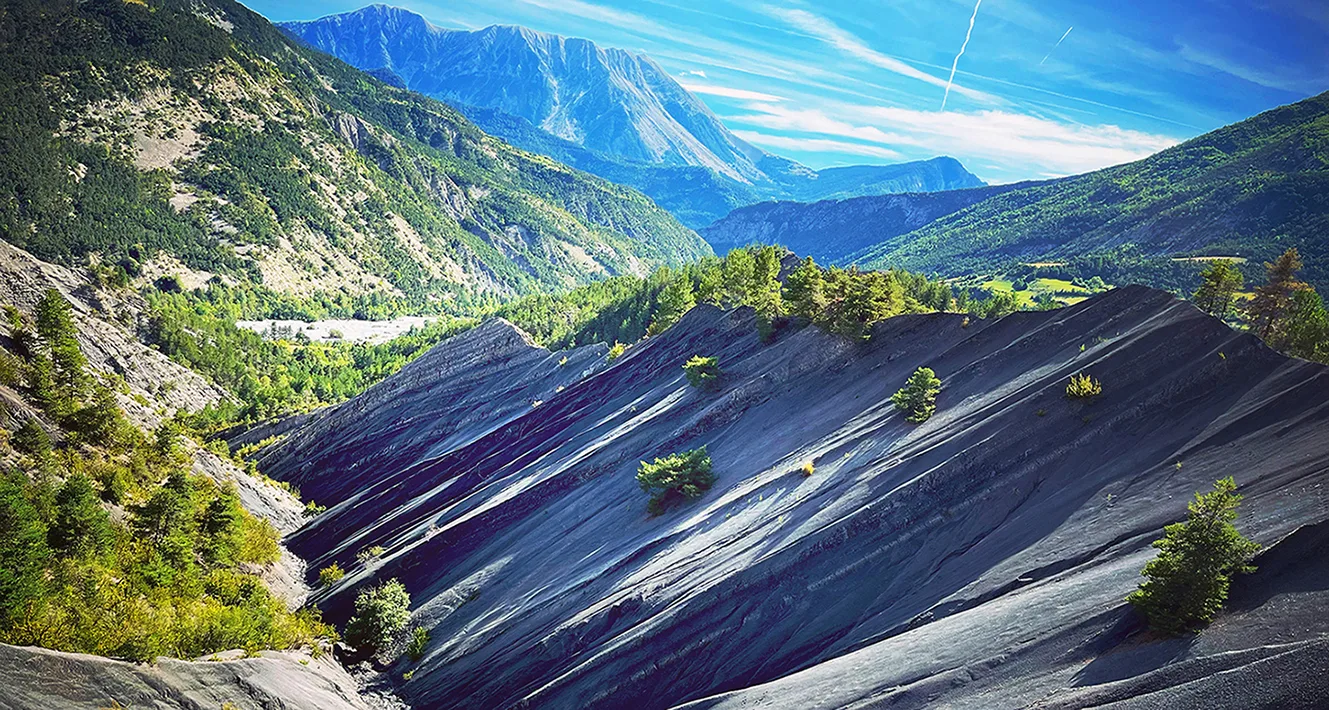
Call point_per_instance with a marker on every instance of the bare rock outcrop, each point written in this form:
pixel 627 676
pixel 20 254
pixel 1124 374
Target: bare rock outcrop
pixel 980 559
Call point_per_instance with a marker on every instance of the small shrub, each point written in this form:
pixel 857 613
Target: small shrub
pixel 415 650
pixel 808 469
pixel 370 553
pixel 1187 583
pixel 260 543
pixel 408 675
pixel 682 475
pixel 702 372
pixel 918 397
pixel 1083 386
pixel 331 574
pixel 313 509
pixel 380 613
pixel 1042 412
pixel 616 352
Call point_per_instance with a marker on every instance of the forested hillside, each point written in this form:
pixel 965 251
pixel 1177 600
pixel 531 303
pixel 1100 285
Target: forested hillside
pixel 177 136
pixel 1249 190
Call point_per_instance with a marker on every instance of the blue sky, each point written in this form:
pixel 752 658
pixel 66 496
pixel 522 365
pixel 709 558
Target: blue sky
pixel 844 82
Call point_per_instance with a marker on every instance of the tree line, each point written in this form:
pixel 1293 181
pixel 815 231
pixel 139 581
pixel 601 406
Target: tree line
pixel 1284 311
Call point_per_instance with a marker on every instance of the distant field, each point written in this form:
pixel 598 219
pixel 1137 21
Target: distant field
pixel 1062 290
pixel 1234 259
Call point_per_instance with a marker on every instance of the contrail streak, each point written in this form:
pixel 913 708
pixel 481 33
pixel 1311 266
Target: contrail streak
pixel 956 63
pixel 1058 44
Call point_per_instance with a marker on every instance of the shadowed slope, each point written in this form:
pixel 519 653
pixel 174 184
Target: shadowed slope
pixel 1009 526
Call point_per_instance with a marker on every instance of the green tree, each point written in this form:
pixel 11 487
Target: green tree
pixel 380 612
pixel 1218 286
pixel 55 327
pixel 81 526
pixel 222 526
pixel 1187 583
pixel 675 300
pixel 918 398
pixel 805 291
pixel 739 268
pixel 168 512
pixel 100 420
pixel 859 299
pixel 765 290
pixel 681 475
pixel 23 550
pixel 1269 308
pixel 1306 333
pixel 31 439
pixel 702 372
pixel 710 284
pixel 41 383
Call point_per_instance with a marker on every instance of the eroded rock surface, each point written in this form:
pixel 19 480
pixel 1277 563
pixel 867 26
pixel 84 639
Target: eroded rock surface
pixel 980 559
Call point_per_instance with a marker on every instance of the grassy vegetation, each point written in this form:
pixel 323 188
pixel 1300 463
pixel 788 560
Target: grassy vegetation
pixel 109 544
pixel 1252 189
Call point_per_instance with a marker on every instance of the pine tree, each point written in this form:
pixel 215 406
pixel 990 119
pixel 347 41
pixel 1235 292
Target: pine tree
pixel 1187 583
pixel 918 398
pixel 31 439
pixel 55 327
pixel 1218 286
pixel 82 526
pixel 765 291
pixel 222 526
pixel 1306 333
pixel 710 285
pixel 738 267
pixel 1269 307
pixel 23 549
pixel 675 300
pixel 805 291
pixel 41 384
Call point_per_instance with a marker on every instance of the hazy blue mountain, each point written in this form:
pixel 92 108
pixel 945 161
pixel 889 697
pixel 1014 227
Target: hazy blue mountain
pixel 606 111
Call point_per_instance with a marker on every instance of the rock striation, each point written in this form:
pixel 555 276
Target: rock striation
pixel 980 559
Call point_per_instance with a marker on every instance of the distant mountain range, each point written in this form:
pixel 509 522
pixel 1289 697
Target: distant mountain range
pixel 832 230
pixel 607 111
pixel 1249 190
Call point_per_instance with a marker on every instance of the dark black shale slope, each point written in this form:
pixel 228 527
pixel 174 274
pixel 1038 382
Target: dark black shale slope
pixel 977 560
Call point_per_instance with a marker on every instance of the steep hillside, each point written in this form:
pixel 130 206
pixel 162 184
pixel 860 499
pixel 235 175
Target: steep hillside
pixel 607 111
pixel 980 559
pixel 199 130
pixel 1251 190
pixel 831 230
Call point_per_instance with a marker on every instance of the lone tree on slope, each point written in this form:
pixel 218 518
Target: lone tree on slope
pixel 1187 583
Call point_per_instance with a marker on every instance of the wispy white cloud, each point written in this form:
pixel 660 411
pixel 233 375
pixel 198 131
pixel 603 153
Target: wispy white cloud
pixel 828 32
pixel 1260 77
pixel 826 145
pixel 1031 144
pixel 730 93
pixel 602 14
pixel 693 72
